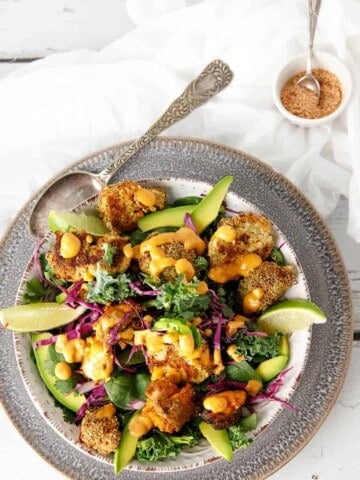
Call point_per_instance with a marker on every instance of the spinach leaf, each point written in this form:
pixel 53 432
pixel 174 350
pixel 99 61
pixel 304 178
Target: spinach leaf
pixel 241 372
pixel 124 387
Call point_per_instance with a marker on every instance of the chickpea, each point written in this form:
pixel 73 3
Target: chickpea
pixel 63 371
pixel 70 245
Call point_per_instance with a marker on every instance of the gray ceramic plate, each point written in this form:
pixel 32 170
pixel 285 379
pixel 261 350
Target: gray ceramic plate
pixel 330 347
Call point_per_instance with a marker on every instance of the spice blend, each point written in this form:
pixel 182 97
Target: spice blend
pixel 304 103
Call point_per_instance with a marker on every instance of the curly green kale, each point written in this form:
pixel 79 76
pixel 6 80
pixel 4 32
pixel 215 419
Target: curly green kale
pixel 181 299
pixel 156 447
pixel 238 438
pixel 109 289
pixel 109 252
pixel 160 446
pixel 257 348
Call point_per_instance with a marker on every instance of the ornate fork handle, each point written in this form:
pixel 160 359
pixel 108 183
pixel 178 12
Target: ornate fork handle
pixel 214 78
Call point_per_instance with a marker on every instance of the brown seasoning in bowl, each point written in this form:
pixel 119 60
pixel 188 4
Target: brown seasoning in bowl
pixel 302 102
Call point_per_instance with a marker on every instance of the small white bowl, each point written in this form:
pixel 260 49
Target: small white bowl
pixel 321 60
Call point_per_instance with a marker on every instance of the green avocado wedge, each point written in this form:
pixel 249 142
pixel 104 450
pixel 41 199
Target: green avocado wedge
pixel 72 400
pixel 202 214
pixel 170 217
pixel 218 439
pixel 126 449
pixel 207 210
pixel 268 369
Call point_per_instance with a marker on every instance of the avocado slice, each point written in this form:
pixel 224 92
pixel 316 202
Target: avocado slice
pixel 202 214
pixel 284 348
pixel 72 401
pixel 171 324
pixel 248 423
pixel 268 369
pixel 126 449
pixel 169 217
pixel 218 439
pixel 207 210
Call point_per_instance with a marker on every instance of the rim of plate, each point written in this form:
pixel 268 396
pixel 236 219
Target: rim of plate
pixel 196 457
pixel 321 248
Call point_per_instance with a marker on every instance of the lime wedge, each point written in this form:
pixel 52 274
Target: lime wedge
pixel 67 221
pixel 37 317
pixel 291 315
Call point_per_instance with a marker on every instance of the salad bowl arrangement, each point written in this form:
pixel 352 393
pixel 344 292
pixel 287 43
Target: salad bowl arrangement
pixel 275 402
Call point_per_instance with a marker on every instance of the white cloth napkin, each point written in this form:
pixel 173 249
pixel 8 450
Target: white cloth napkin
pixel 56 110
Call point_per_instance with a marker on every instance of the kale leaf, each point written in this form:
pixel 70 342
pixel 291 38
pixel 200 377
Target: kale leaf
pixel 160 446
pixel 238 438
pixel 257 348
pixel 109 252
pixel 182 299
pixel 109 289
pixel 237 433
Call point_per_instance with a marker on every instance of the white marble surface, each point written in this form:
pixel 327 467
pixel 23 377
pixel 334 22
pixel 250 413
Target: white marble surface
pixel 35 28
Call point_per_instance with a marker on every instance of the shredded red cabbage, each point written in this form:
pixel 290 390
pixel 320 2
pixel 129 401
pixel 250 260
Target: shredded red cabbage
pixel 44 341
pixel 222 385
pixel 188 222
pixel 134 349
pixel 83 326
pixel 136 404
pixel 85 387
pixel 114 331
pixel 217 318
pixel 272 389
pixel 97 397
pixel 255 333
pixel 37 264
pixel 136 287
pixel 122 367
pixel 73 298
pixel 231 210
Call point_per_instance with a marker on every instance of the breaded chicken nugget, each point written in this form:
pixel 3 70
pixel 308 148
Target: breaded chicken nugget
pixel 240 235
pixel 122 204
pixel 176 251
pixel 222 410
pixel 105 251
pixel 100 429
pixel 269 281
pixel 169 406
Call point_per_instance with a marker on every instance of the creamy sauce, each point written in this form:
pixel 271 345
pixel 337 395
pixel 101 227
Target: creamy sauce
pixel 159 261
pixel 240 266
